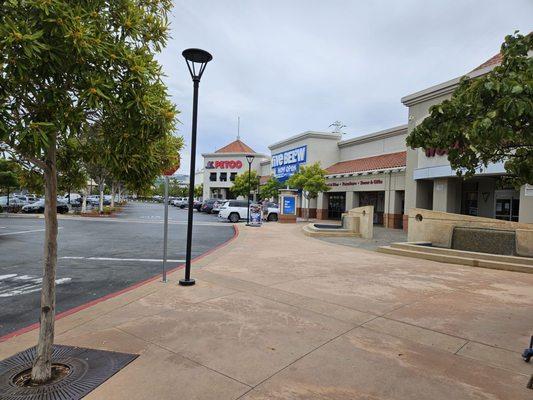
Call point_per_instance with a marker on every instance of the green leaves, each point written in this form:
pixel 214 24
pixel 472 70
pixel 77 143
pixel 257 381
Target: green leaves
pixel 67 65
pixel 489 117
pixel 310 179
pixel 271 188
pixel 245 183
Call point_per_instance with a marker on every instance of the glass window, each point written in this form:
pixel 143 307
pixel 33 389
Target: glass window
pixel 223 177
pixel 232 176
pixel 213 176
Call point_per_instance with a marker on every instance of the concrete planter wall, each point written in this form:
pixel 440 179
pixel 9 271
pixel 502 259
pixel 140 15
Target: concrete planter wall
pixel 437 227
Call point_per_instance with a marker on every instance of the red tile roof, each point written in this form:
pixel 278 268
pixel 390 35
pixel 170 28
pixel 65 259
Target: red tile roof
pixel 235 147
pixel 393 160
pixel 493 61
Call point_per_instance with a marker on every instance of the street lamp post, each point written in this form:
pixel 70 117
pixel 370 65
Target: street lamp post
pixel 196 62
pixel 250 160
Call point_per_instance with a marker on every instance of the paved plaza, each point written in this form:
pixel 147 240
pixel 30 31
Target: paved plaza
pixel 278 315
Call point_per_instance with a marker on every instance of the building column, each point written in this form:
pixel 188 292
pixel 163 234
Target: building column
pixel 349 201
pixel 447 195
pixel 322 206
pixel 312 207
pixel 393 214
pixel 411 186
pixel 485 198
pixel 525 212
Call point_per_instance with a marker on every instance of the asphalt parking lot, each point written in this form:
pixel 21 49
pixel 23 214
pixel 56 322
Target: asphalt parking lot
pixel 96 256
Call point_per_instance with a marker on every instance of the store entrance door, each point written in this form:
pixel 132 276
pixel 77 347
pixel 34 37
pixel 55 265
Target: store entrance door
pixel 507 209
pixel 376 199
pixel 336 205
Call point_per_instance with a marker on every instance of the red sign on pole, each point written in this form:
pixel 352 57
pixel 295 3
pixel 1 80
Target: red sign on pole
pixel 170 171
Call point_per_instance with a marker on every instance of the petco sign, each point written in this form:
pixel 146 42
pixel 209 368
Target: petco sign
pixel 230 164
pixel 287 163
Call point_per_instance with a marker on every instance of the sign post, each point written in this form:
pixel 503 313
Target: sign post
pixel 167 173
pixel 288 205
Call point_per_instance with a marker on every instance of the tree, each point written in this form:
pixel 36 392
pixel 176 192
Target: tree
pixel 8 176
pixel 64 66
pixel 71 174
pixel 271 188
pixel 31 178
pixel 488 118
pixel 242 186
pixel 199 190
pixel 311 180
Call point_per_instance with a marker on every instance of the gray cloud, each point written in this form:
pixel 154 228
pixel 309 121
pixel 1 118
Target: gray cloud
pixel 290 66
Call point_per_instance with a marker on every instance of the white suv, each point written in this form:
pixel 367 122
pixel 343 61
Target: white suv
pixel 233 210
pixel 180 202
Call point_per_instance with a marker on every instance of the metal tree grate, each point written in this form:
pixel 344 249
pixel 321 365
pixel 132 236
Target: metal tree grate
pixel 89 368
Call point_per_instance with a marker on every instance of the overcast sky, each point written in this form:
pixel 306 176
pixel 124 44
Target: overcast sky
pixel 287 66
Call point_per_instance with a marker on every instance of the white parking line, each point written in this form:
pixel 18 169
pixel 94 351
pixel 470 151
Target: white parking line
pixel 21 232
pixel 118 259
pixel 13 284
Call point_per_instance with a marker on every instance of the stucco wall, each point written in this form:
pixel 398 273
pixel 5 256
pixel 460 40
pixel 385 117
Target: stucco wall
pixel 526 205
pixel 372 148
pixel 226 157
pixel 324 150
pixel 437 227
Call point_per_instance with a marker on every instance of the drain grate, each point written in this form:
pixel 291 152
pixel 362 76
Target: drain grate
pixel 89 368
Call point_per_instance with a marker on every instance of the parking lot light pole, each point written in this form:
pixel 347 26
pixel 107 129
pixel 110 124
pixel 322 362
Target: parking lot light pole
pixel 250 160
pixel 196 62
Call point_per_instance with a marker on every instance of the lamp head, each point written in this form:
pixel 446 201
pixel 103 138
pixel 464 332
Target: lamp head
pixel 197 60
pixel 250 159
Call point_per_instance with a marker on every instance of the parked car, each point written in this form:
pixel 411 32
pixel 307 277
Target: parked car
pixel 233 211
pixel 236 210
pixel 217 205
pixel 181 202
pixel 197 205
pixel 208 205
pixel 38 207
pixel 94 200
pixel 27 198
pixel 13 201
pixel 75 198
pixel 272 212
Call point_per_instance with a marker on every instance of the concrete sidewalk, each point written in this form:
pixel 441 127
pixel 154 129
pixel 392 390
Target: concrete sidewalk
pixel 278 315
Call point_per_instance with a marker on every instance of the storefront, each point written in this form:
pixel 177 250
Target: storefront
pixel 432 184
pixel 377 169
pixel 222 167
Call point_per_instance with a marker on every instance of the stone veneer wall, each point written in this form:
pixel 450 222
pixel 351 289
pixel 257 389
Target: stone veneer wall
pixel 437 227
pixel 322 213
pixel 393 220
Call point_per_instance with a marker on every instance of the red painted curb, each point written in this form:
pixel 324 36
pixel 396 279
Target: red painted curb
pixel 118 293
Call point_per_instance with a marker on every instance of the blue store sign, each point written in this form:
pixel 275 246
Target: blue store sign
pixel 287 163
pixel 289 205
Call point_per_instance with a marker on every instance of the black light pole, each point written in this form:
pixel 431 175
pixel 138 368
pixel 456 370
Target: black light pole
pixel 196 62
pixel 250 160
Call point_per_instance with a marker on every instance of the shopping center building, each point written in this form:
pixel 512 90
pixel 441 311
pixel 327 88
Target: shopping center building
pixel 378 169
pixel 222 167
pixel 432 184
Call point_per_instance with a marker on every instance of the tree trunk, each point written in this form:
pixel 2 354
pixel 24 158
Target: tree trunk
pixel 113 186
pixel 101 199
pixel 42 365
pixel 84 201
